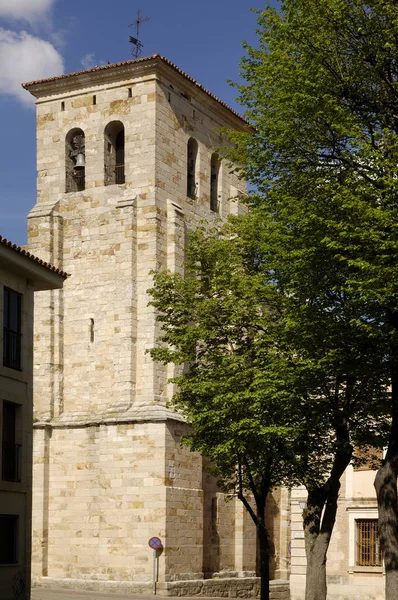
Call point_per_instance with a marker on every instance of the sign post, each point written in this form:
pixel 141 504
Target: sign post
pixel 156 544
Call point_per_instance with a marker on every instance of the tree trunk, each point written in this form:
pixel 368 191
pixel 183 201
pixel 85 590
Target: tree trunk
pixel 316 545
pixel 386 480
pixel 315 585
pixel 319 517
pixel 386 489
pixel 264 560
pixel 258 516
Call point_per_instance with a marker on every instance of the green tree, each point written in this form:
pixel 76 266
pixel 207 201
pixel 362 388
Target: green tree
pixel 321 90
pixel 271 386
pixel 217 323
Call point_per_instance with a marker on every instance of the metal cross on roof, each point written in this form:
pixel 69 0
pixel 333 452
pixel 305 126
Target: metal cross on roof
pixel 136 52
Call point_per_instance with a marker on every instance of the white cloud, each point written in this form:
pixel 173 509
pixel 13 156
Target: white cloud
pixel 88 61
pixel 29 10
pixel 24 57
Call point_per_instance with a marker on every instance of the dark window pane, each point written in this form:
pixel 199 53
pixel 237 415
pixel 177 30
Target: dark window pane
pixel 6 307
pixel 14 311
pixel 8 539
pixel 11 452
pixel 9 422
pixel 12 329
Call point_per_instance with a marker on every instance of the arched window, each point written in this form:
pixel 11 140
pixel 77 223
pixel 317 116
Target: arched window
pixel 114 153
pixel 191 167
pixel 214 183
pixel 75 160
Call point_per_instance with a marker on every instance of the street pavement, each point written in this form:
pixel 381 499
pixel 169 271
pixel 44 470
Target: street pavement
pixel 45 594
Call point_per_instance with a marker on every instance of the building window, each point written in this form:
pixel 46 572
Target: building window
pixel 114 153
pixel 214 192
pixel 11 451
pixel 12 337
pixel 368 543
pixel 8 539
pixel 191 167
pixel 75 161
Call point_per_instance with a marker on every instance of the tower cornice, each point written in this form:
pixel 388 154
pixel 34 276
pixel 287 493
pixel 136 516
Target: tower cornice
pixel 114 73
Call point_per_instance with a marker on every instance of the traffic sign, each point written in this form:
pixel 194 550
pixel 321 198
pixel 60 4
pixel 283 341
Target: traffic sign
pixel 155 543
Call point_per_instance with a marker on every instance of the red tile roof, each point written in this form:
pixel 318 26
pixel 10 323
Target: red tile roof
pixel 30 256
pixel 132 62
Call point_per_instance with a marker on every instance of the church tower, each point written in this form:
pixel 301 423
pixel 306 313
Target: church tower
pixel 126 166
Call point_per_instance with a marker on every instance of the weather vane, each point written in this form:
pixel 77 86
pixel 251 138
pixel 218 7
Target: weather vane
pixel 136 52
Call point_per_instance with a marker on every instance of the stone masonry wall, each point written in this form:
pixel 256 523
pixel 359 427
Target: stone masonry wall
pixel 106 498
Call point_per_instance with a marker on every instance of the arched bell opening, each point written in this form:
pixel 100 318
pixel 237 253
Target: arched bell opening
pixel 75 160
pixel 114 153
pixel 192 153
pixel 214 183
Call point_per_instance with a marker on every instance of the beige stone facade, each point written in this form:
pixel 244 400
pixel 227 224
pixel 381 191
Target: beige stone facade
pixel 109 471
pixel 20 276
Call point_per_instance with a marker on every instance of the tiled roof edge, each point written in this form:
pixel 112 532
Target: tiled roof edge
pixel 131 62
pixel 32 257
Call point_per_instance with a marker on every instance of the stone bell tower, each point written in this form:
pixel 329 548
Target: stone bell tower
pixel 126 165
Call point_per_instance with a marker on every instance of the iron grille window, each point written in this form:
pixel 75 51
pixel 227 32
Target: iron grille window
pixel 12 329
pixel 368 543
pixel 8 539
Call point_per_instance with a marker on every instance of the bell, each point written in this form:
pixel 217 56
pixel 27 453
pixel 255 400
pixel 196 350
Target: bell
pixel 80 162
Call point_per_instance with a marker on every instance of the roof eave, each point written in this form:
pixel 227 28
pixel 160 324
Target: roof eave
pixel 42 277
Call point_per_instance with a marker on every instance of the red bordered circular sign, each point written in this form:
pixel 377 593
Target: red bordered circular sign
pixel 155 543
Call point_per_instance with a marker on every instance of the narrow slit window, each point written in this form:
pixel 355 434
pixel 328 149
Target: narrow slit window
pixel 62 106
pixel 94 100
pixel 130 92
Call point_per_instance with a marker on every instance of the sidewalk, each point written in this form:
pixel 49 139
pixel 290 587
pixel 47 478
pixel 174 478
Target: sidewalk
pixel 44 594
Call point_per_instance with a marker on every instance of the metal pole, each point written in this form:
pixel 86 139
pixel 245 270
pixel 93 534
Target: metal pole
pixel 154 572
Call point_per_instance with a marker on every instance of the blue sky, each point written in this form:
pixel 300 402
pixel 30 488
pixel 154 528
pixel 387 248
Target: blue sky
pixel 41 38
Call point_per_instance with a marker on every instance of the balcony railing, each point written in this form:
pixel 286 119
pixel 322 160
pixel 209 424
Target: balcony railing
pixel 12 349
pixel 119 174
pixel 11 462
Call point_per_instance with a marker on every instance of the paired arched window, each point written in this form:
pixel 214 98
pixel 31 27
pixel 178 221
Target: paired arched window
pixel 214 183
pixel 114 153
pixel 75 160
pixel 192 153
